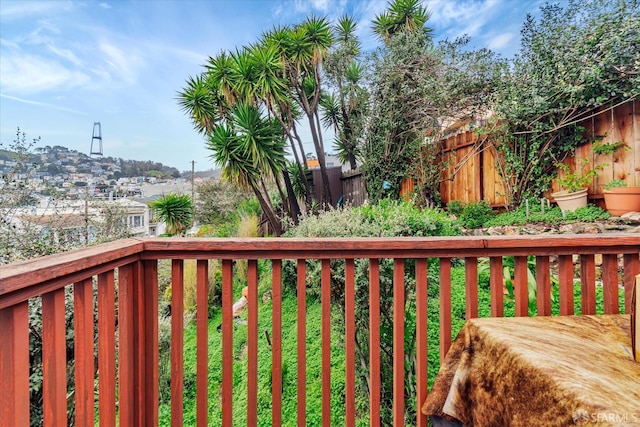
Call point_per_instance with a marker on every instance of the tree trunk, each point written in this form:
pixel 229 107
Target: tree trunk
pixel 326 190
pixel 268 211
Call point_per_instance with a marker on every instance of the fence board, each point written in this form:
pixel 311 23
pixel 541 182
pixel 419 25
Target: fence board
pixel 471 178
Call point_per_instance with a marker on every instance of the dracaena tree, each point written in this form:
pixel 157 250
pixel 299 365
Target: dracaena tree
pixel 175 210
pixel 344 108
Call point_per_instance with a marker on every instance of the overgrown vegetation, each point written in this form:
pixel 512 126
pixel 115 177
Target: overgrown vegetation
pixel 573 61
pixel 386 219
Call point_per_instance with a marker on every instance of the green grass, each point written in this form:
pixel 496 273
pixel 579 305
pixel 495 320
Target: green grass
pixel 314 353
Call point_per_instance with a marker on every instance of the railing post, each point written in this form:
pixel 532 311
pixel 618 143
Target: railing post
pixel 421 340
pixel 374 341
pixel 398 342
pixel 151 385
pixel 84 351
pixel 14 365
pixel 54 359
pixel 326 341
pixel 177 342
pixel 126 394
pixel 107 349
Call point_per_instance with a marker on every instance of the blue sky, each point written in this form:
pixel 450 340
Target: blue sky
pixel 67 64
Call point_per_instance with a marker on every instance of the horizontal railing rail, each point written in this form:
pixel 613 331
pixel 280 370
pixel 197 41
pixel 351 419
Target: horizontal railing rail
pixel 121 280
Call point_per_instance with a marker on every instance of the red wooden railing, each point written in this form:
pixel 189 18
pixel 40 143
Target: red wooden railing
pixel 128 395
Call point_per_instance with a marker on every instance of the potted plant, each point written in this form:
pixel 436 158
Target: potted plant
pixel 620 199
pixel 574 186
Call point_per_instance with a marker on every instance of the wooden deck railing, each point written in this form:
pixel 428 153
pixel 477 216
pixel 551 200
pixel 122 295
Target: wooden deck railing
pixel 128 395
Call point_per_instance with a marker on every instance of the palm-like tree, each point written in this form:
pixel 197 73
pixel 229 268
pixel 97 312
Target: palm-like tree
pixel 175 210
pixel 344 109
pixel 247 146
pixel 402 16
pixel 305 49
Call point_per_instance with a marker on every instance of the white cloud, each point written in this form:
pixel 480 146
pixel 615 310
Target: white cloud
pixel 105 5
pixel 27 74
pixel 500 41
pixel 42 104
pixel 21 9
pixel 123 64
pixel 66 54
pixel 462 17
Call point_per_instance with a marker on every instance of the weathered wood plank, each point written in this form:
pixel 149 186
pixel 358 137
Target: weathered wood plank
pixel 83 351
pixel 588 284
pixel 422 362
pixel 107 349
pixel 24 274
pixel 445 307
pixel 374 341
pixel 350 344
pixel 177 342
pixel 325 301
pixel 496 284
pixel 398 342
pixel 543 286
pixel 276 347
pixel 54 359
pixel 14 365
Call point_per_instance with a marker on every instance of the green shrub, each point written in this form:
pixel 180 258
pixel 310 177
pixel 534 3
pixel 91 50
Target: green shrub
pixel 476 214
pixel 387 219
pixel 455 207
pixel 551 215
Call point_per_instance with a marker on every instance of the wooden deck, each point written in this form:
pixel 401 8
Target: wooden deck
pixel 128 395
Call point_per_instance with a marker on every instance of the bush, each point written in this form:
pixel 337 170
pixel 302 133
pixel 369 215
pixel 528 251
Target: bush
pixel 387 219
pixel 476 214
pixel 455 207
pixel 551 215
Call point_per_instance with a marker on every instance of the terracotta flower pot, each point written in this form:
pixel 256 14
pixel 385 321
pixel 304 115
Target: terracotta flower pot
pixel 621 200
pixel 571 201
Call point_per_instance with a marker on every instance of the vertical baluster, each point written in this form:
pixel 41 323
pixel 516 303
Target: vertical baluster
pixel 350 343
pixel 125 346
pixel 83 351
pixel 177 342
pixel 326 342
pixel 471 286
pixel 276 345
pixel 252 343
pixel 565 279
pixel 202 338
pixel 421 340
pixel 54 361
pixel 610 283
pixel 374 341
pixel 139 344
pixel 398 342
pixel 445 307
pixel 543 286
pixel 14 365
pixel 521 286
pixel 227 345
pixel 107 349
pixel 588 284
pixel 302 342
pixel 151 385
pixel 496 283
pixel 631 265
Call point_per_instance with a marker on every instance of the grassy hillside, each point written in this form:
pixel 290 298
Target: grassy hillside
pixel 289 355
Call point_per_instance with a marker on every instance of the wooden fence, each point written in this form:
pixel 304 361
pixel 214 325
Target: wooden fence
pixel 472 172
pixel 354 192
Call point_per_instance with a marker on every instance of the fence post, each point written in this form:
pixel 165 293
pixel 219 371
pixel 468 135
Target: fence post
pixel 635 320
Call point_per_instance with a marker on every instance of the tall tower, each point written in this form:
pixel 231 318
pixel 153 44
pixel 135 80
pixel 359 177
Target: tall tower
pixel 97 140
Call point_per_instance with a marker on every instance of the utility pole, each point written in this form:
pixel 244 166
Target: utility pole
pixel 193 189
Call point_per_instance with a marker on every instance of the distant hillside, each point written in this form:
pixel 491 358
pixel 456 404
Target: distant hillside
pixel 53 160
